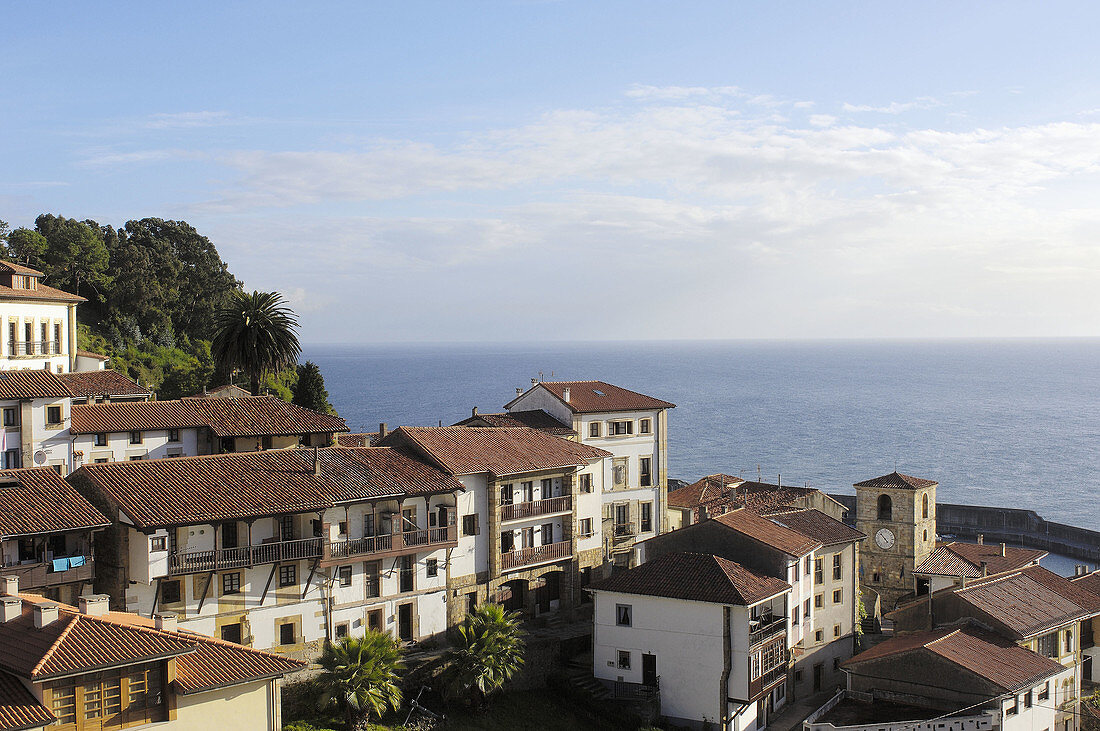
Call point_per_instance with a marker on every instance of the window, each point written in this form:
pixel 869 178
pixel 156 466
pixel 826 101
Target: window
pixel 619 472
pixel 374 620
pixel 623 615
pixel 470 526
pixel 136 457
pixel 819 571
pixel 173 435
pixel 620 428
pixel 836 630
pixel 506 494
pixel 885 507
pixel 838 596
pixel 1027 699
pixel 372 578
pixel 1013 706
pixel 101 460
pixel 53 414
pixel 286 527
pixel 406 574
pixel 135 437
pixel 158 543
pixel 229 535
pixel 547 489
pixel 806 609
pixel 819 636
pixel 57 338
pixel 586 526
pixel 837 571
pixel 232 632
pixel 586 482
pixel 645 475
pixel 547 532
pixel 1069 642
pixel 647 517
pixel 231 583
pixel 924 507
pixel 594 429
pixel 12 459
pixel 794 616
pixel 11 416
pixel 819 601
pixel 644 426
pixel 341 630
pixel 101 440
pixel 344 573
pixel 527 491
pixel 288 575
pixel 63 703
pixel 171 592
pixel 286 633
pixel 13 344
pixel 431 567
pixel 624 660
pixel 342 527
pixel 1044 694
pixel 1048 645
pixel 876 577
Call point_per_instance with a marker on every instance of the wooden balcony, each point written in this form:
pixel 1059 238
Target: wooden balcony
pixel 192 562
pixel 394 544
pixel 757 686
pixel 535 508
pixel 42 575
pixel 766 629
pixel 535 555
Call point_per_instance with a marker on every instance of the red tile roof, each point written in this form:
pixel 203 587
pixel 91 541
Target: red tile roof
pixel 11 266
pixel 897 480
pixel 41 292
pixel 90 354
pixel 711 487
pixel 1091 582
pixel 965 559
pixel 764 497
pixel 32 384
pixel 762 530
pixel 101 383
pixel 237 417
pixel 697 577
pixel 19 709
pixel 987 655
pixel 36 500
pixel 189 490
pixel 1030 601
pixel 364 439
pixel 465 450
pixel 595 397
pixel 535 418
pixel 818 526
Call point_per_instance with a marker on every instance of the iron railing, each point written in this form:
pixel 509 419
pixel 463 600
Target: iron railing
pixel 534 508
pixel 535 554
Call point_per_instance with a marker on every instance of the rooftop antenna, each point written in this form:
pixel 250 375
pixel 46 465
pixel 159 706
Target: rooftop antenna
pixel 758 477
pixel 779 480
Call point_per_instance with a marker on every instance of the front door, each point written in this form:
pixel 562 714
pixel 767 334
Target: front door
pixel 405 622
pixel 1086 668
pixel 818 672
pixel 649 670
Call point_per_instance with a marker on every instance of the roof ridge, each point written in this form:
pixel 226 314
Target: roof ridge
pixel 56 643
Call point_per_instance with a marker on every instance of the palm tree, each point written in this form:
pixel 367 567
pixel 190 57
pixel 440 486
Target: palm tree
pixel 360 676
pixel 488 650
pixel 255 333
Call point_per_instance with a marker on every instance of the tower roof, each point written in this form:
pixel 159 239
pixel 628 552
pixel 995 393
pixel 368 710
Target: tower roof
pixel 897 480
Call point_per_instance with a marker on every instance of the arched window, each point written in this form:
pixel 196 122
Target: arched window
pixel 885 507
pixel 924 506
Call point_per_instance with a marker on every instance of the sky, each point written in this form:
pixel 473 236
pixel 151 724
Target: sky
pixel 525 171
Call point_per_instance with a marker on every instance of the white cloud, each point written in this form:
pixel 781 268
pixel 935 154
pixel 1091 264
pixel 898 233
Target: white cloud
pixel 924 102
pixel 822 120
pixel 183 120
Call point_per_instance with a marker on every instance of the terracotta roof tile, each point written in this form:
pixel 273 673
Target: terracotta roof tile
pixel 535 418
pixel 818 526
pixel 897 480
pixel 965 559
pixel 11 266
pixel 101 383
pixel 90 354
pixel 987 655
pixel 32 384
pixel 695 576
pixel 363 439
pixel 1090 582
pixel 764 497
pixel 19 709
pixel 36 500
pixel 41 292
pixel 762 530
pixel 189 490
pixel 709 488
pixel 465 450
pixel 593 397
pixel 1030 601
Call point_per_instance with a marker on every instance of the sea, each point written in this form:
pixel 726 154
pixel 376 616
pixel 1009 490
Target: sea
pixel 995 422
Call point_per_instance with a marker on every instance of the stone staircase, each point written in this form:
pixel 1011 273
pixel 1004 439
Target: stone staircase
pixel 579 672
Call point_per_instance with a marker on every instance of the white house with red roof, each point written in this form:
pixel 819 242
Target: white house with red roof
pixel 38 329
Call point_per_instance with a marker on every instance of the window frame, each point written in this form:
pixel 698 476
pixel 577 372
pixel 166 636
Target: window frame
pixel 593 430
pixel 55 409
pixel 232 580
pixel 645 426
pixel 431 567
pixel 137 437
pixel 623 660
pixel 624 615
pixel 343 575
pixel 288 575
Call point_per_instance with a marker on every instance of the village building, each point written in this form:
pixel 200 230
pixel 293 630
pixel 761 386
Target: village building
pixel 102 386
pixel 960 678
pixel 279 549
pixel 955 563
pixel 631 426
pixel 1090 628
pixel 39 323
pixel 718 494
pixel 46 534
pixel 530 534
pixel 88 668
pixel 707 635
pixel 229 390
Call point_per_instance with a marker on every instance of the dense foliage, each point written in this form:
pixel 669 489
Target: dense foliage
pixel 360 676
pixel 310 390
pixel 488 650
pixel 255 333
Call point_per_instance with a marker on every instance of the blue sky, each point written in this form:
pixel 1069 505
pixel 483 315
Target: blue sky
pixel 559 170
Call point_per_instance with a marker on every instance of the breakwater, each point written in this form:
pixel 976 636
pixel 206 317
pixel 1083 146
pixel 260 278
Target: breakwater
pixel 1005 525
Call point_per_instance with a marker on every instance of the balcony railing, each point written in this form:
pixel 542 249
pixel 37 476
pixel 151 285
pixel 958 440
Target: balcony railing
pixel 389 542
pixel 190 562
pixel 42 575
pixel 758 685
pixel 535 554
pixel 636 691
pixel 766 629
pixel 623 532
pixel 534 508
pixel 35 347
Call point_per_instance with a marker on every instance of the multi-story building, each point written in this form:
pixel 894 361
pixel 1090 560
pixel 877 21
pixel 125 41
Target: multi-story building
pixel 718 494
pixel 634 429
pixel 530 515
pixel 39 322
pixel 1090 628
pixel 706 633
pixel 89 669
pixel 281 548
pixel 100 386
pixel 46 533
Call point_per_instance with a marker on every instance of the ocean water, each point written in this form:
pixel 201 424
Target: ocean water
pixel 1008 423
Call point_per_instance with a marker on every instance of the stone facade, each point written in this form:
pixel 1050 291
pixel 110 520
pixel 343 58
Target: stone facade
pixel 909 516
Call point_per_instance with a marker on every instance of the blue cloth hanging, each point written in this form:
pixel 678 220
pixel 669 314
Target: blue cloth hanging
pixel 61 564
pixel 75 561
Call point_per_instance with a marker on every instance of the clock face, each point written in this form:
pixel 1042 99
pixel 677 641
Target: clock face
pixel 885 539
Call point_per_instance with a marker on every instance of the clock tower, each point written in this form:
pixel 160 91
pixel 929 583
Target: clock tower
pixel 898 514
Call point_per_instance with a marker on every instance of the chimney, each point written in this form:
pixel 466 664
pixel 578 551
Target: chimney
pixel 519 391
pixel 565 395
pixel 316 463
pixel 95 605
pixel 10 585
pixel 1004 549
pixel 1080 570
pixel 44 614
pixel 10 608
pixel 382 430
pixel 165 621
pixel 474 412
pixel 981 539
pixel 534 381
pixel 985 569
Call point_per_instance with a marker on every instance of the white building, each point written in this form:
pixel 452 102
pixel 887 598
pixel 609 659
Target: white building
pixel 634 429
pixel 1090 628
pixel 707 634
pixel 39 322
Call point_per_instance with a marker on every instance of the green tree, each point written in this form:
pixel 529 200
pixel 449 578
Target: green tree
pixel 256 334
pixel 76 259
pixel 488 650
pixel 360 676
pixel 310 390
pixel 27 246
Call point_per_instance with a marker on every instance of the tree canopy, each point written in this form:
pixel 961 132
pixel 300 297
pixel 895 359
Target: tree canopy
pixel 257 334
pixel 310 390
pixel 359 675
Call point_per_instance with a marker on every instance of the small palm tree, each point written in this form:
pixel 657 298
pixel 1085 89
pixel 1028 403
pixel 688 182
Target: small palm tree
pixel 360 676
pixel 488 650
pixel 255 333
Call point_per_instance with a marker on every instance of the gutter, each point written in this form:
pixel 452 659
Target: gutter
pixel 727 665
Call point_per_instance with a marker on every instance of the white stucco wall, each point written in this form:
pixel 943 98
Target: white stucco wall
pixel 154 445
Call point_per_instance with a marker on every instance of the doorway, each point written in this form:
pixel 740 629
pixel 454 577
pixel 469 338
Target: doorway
pixel 819 671
pixel 405 622
pixel 649 670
